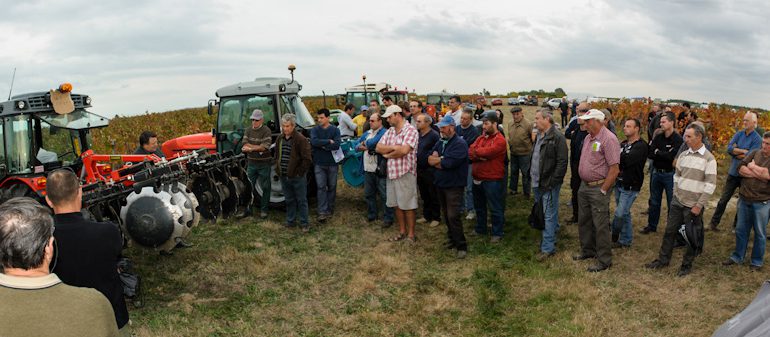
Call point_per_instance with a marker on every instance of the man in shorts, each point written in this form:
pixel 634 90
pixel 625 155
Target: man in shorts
pixel 399 147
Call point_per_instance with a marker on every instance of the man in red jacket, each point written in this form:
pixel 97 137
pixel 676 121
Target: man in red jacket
pixel 487 154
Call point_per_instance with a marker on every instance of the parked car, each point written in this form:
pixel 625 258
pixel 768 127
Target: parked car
pixel 532 100
pixel 554 103
pixel 497 101
pixel 522 99
pixel 514 101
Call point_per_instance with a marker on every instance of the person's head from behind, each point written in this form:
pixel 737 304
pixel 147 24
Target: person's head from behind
pixel 148 140
pixel 26 236
pixel 63 191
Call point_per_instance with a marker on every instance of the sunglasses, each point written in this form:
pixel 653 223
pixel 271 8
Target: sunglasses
pixel 583 110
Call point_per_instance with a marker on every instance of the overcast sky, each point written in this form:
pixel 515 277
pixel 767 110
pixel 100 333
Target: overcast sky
pixel 160 55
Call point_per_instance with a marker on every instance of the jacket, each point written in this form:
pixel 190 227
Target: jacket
pixel 88 256
pixel 299 159
pixel 553 159
pixel 454 163
pixel 493 149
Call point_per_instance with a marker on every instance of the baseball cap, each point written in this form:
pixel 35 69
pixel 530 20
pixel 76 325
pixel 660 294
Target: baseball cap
pixel 516 109
pixel 490 116
pixel 593 114
pixel 257 115
pixel 391 110
pixel 364 108
pixel 446 121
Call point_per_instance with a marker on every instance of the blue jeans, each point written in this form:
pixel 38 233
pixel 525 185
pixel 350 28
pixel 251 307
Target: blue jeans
pixel 550 200
pixel 624 199
pixel 295 191
pixel 374 185
pixel 751 215
pixel 326 180
pixel 660 181
pixel 520 164
pixel 469 191
pixel 489 192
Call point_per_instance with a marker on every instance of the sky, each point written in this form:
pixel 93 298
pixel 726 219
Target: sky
pixel 138 56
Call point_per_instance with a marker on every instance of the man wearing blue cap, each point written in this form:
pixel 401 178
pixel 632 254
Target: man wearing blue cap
pixel 450 159
pixel 256 146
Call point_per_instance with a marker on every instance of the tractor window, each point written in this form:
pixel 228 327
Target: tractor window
pixel 59 142
pixel 234 118
pixel 304 119
pixel 18 140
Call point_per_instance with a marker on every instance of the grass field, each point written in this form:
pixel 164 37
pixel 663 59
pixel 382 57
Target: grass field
pixel 256 278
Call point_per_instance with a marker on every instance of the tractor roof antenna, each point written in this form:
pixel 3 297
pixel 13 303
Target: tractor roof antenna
pixel 13 78
pixel 291 70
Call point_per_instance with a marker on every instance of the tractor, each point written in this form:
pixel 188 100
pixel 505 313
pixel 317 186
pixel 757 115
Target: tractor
pixel 437 103
pixel 275 97
pixel 154 200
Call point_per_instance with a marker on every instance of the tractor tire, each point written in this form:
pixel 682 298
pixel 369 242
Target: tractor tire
pixel 19 190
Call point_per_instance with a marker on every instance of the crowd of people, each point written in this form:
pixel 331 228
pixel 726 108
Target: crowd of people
pixel 457 167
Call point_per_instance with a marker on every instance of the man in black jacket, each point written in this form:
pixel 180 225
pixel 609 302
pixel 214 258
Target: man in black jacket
pixel 548 167
pixel 662 151
pixel 633 155
pixel 576 134
pixel 88 251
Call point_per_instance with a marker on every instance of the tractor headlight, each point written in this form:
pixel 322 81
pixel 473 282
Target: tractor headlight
pixel 21 105
pixel 88 100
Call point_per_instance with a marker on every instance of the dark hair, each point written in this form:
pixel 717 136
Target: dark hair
pixel 636 121
pixel 456 98
pixel 349 106
pixel 387 98
pixel 62 186
pixel 501 115
pixel 404 105
pixel 25 228
pixel 670 116
pixel 144 138
pixel 767 135
pixel 419 104
pixel 375 101
pixel 323 111
pixel 687 104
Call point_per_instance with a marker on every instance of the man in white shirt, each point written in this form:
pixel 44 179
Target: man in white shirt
pixel 345 121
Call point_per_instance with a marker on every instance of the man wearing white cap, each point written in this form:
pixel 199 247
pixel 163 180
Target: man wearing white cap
pixel 256 146
pixel 598 169
pixel 399 147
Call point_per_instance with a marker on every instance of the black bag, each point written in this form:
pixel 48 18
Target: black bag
pixel 131 281
pixel 382 166
pixel 537 217
pixel 692 233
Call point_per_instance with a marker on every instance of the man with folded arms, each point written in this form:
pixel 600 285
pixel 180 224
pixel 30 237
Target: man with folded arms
pixel 598 170
pixel 753 205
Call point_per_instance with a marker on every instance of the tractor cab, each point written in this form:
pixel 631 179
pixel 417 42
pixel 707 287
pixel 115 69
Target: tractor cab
pixel 362 94
pixel 437 103
pixel 35 139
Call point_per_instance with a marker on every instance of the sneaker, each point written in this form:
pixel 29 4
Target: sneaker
pixel 322 217
pixel 263 215
pixel 471 215
pixel 657 264
pixel 422 220
pixel 616 245
pixel 647 230
pixel 461 254
pixel 542 256
pixel 495 239
pixel 729 262
pixel 434 223
pixel 684 270
pixel 305 229
pixel 598 267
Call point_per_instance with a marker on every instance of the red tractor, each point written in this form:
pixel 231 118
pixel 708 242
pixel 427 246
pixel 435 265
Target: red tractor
pixel 155 201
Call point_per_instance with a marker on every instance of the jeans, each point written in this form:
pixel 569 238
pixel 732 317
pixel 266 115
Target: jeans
pixel 593 228
pixel 489 193
pixel 622 222
pixel 751 215
pixel 660 181
pixel 520 164
pixel 451 200
pixel 550 200
pixel 326 180
pixel 677 215
pixel 431 210
pixel 731 184
pixel 374 185
pixel 469 191
pixel 295 191
pixel 260 174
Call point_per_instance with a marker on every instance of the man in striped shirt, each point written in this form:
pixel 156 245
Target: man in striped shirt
pixel 694 182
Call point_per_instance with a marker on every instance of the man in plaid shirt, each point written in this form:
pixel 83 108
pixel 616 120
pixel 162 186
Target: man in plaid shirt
pixel 399 147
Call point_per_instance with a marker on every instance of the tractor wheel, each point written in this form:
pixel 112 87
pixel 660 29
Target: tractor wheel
pixel 19 190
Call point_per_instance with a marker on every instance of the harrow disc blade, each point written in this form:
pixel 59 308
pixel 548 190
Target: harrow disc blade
pixel 151 219
pixel 209 197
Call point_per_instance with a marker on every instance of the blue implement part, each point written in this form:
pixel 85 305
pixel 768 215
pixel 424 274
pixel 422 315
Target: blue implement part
pixel 351 170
